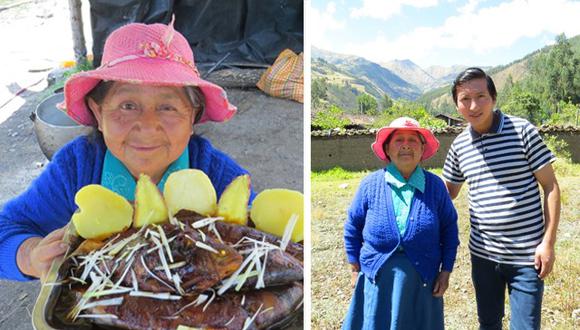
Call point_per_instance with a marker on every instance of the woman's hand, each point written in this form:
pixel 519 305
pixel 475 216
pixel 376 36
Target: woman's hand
pixel 36 254
pixel 355 269
pixel 353 278
pixel 441 284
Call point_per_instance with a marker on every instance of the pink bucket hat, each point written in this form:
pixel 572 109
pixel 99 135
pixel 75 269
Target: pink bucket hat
pixel 153 54
pixel 407 124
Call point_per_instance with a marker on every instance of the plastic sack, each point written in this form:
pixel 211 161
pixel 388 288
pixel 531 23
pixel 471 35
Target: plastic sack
pixel 285 78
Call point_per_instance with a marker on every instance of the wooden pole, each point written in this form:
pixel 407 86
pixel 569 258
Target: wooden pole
pixel 76 21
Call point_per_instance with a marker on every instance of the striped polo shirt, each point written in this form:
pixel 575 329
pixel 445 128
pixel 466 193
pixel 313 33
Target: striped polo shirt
pixel 507 221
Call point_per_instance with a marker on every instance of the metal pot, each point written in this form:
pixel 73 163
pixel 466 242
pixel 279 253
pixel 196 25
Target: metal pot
pixel 53 127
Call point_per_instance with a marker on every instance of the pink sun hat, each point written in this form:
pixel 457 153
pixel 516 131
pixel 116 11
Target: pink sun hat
pixel 154 54
pixel 406 124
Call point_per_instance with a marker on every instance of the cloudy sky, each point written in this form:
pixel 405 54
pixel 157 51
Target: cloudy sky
pixel 441 32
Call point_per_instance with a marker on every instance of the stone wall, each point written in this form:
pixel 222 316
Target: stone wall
pixel 352 150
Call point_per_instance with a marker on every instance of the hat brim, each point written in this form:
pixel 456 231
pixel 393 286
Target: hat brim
pixel 146 71
pixel 430 148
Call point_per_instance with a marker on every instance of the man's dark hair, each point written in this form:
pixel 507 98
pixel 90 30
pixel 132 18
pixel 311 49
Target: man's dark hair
pixel 471 74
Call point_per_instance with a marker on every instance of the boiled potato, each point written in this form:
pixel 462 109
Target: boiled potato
pixel 149 204
pixel 272 209
pixel 233 203
pixel 190 190
pixel 101 212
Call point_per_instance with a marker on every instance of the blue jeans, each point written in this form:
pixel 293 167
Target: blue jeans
pixel 525 291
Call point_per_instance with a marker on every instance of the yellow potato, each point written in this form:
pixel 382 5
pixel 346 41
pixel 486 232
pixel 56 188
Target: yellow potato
pixel 272 209
pixel 233 204
pixel 101 212
pixel 149 204
pixel 191 190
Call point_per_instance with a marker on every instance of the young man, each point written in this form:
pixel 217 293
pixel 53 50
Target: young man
pixel 503 158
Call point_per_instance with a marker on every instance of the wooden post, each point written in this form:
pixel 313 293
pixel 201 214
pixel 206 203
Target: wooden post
pixel 76 21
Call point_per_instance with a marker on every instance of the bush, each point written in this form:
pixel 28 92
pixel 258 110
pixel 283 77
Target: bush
pixel 526 105
pixel 567 115
pixel 411 109
pixel 563 166
pixel 330 118
pixel 559 147
pixel 432 123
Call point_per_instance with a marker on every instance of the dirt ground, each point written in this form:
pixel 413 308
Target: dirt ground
pixel 265 137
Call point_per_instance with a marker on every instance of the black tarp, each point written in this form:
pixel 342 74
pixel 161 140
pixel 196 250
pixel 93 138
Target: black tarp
pixel 253 32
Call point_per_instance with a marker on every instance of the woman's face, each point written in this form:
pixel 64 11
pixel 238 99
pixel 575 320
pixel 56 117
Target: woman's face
pixel 405 150
pixel 145 127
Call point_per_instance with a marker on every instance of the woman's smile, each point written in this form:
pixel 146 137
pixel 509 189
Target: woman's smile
pixel 145 127
pixel 405 150
pixel 144 147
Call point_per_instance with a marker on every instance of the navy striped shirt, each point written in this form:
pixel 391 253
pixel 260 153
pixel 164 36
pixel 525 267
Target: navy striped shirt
pixel 507 222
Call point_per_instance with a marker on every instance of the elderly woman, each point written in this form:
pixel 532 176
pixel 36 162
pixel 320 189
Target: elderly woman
pixel 400 236
pixel 144 100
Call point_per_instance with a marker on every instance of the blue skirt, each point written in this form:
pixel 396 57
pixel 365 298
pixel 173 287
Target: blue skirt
pixel 398 299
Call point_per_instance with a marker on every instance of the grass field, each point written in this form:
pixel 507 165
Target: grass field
pixel 332 192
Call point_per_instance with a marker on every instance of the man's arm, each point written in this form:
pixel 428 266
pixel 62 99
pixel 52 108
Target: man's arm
pixel 453 189
pixel 545 255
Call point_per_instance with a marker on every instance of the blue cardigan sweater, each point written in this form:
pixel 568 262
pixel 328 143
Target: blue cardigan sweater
pixel 430 240
pixel 48 203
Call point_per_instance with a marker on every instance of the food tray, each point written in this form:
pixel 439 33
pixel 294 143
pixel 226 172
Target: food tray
pixel 45 315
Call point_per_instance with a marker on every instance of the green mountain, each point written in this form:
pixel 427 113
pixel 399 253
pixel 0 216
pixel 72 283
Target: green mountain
pixel 440 101
pixel 349 76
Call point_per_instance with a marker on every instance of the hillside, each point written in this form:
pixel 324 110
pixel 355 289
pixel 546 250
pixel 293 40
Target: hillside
pixel 444 74
pixel 413 74
pixel 440 100
pixel 348 76
pixel 343 88
pixel 330 57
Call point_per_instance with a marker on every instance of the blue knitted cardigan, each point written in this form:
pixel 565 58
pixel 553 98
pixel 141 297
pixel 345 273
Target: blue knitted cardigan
pixel 430 240
pixel 48 203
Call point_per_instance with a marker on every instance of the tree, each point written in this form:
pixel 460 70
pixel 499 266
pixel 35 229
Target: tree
pixel 556 74
pixel 366 104
pixel 504 94
pixel 526 105
pixel 386 102
pixel 318 91
pixel 562 67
